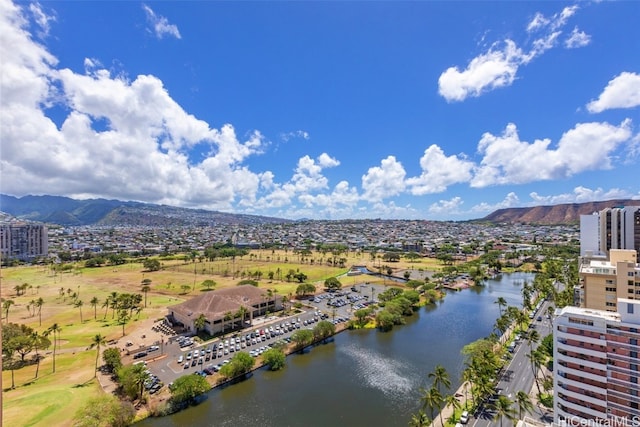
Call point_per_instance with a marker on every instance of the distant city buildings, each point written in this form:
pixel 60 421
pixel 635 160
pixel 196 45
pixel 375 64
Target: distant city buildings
pixel 596 365
pixel 24 242
pixel 611 228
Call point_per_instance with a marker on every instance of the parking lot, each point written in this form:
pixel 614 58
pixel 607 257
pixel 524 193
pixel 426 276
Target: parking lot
pixel 184 356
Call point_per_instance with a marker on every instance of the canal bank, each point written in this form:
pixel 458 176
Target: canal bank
pixel 363 377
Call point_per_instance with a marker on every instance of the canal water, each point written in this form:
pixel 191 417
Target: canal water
pixel 362 378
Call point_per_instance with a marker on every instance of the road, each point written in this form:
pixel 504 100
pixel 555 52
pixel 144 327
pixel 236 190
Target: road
pixel 517 375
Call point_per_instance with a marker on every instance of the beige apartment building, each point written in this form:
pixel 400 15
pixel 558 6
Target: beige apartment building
pixel 596 365
pixel 23 241
pixel 603 281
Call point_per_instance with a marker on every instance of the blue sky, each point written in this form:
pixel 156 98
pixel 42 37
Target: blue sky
pixel 324 110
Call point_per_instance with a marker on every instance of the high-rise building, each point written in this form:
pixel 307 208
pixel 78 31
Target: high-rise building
pixel 603 281
pixel 22 241
pixel 596 365
pixel 611 228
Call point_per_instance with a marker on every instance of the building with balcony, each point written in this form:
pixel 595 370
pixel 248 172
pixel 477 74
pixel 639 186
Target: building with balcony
pixel 596 365
pixel 603 281
pixel 611 228
pixel 23 242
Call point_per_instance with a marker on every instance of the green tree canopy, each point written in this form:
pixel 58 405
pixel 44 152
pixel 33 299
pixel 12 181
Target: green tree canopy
pixel 186 388
pixel 302 338
pixel 274 358
pixel 332 284
pixel 104 410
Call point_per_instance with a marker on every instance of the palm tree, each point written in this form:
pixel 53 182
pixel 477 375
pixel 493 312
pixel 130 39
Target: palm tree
pixel 501 304
pixel 419 419
pixel 227 316
pixel 533 338
pixel 94 303
pixel 55 330
pixel 503 409
pixel 78 304
pixel 145 290
pixel 440 377
pixel 6 305
pixel 452 400
pixel 97 341
pixel 199 322
pixel 524 403
pixel 431 399
pixel 39 343
pixel 242 313
pixel 139 377
pixel 39 303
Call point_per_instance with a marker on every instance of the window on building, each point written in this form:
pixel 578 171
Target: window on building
pixel 629 308
pixel 633 405
pixel 633 354
pixel 633 366
pixel 633 380
pixel 633 341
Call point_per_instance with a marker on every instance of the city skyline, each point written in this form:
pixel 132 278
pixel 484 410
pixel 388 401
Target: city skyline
pixel 322 110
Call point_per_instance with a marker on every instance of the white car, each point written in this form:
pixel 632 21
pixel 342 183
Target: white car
pixel 464 418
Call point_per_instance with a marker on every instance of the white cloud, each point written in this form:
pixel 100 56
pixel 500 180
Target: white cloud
pixel 577 39
pixel 160 25
pixel 446 207
pixel 383 181
pixel 498 66
pixel 41 18
pixel 508 160
pixel 511 200
pixel 439 172
pixel 623 91
pixel 580 195
pixel 295 134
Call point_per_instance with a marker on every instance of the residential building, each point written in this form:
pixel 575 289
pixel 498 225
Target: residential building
pixel 23 241
pixel 603 281
pixel 596 365
pixel 611 228
pixel 225 309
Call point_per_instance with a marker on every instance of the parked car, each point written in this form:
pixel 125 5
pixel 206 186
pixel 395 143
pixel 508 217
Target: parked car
pixel 464 418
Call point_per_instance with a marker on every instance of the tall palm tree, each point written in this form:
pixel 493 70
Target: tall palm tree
pixel 227 316
pixel 501 304
pixel 79 304
pixel 452 400
pixel 6 305
pixel 39 343
pixel 524 403
pixel 140 375
pixel 199 322
pixel 97 341
pixel 39 304
pixel 440 377
pixel 431 399
pixel 503 407
pixel 241 314
pixel 145 291
pixel 419 419
pixel 94 303
pixel 54 330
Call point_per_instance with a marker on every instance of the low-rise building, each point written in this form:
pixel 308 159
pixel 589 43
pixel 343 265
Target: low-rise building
pixel 225 309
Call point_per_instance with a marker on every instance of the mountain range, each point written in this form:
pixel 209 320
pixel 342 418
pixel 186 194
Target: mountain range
pixel 71 212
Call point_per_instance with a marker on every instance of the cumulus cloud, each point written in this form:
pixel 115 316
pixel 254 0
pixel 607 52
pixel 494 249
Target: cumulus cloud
pixel 623 91
pixel 577 39
pixel 446 207
pixel 439 172
pixel 511 200
pixel 384 181
pixel 160 26
pixel 508 160
pixel 580 195
pixel 498 66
